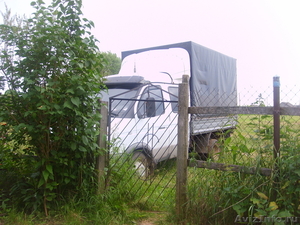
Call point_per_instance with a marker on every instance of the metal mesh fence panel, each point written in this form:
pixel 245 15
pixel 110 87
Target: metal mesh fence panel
pixel 244 143
pixel 208 130
pixel 143 140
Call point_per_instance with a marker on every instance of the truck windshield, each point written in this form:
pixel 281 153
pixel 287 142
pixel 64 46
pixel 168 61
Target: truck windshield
pixel 123 107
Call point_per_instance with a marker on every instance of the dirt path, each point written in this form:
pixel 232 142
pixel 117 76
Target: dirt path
pixel 146 222
pixel 155 218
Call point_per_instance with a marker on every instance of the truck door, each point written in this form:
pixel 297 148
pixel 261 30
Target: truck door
pixel 173 118
pixel 152 122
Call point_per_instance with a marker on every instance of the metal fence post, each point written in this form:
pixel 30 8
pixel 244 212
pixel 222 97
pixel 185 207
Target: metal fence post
pixel 102 143
pixel 276 116
pixel 182 150
pixel 276 135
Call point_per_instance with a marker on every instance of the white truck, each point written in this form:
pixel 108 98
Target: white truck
pixel 143 100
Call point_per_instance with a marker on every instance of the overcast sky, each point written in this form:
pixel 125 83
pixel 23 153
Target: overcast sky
pixel 263 35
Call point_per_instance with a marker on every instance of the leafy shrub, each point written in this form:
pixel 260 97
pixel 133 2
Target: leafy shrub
pixel 52 70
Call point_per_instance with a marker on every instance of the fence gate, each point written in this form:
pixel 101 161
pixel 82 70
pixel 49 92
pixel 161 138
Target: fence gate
pixel 142 134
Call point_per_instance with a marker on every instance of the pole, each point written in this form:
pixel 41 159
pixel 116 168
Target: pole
pixel 102 143
pixel 182 150
pixel 276 137
pixel 276 116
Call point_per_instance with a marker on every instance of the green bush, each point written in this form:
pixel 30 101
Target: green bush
pixel 52 70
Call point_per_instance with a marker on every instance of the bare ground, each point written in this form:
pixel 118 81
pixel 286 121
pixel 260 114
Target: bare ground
pixel 155 218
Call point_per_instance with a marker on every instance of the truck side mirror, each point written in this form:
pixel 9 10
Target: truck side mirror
pixel 150 107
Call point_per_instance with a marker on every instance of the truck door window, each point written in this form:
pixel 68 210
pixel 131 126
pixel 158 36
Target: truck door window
pixel 173 91
pixel 120 108
pixel 151 103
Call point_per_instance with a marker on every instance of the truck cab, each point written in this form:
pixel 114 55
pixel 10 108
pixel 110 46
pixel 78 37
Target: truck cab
pixel 143 116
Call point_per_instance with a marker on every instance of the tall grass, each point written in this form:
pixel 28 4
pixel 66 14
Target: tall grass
pixel 214 197
pixel 221 198
pixel 119 204
pixel 217 197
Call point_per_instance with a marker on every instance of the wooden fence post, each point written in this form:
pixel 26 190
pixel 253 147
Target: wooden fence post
pixel 182 150
pixel 102 143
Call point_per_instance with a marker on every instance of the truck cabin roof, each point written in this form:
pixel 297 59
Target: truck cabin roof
pixel 116 81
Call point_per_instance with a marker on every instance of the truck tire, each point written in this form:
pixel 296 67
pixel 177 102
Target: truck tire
pixel 213 149
pixel 142 164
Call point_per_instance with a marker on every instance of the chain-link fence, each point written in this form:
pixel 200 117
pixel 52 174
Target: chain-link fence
pixel 252 154
pixel 234 136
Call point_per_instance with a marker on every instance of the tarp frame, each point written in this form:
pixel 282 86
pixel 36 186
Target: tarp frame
pixel 213 75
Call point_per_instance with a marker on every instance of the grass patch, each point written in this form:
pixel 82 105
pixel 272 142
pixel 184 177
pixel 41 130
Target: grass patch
pixel 214 197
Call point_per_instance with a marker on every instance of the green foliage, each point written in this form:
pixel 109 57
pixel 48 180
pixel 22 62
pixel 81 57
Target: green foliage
pixel 259 101
pixel 117 205
pixel 280 196
pixel 53 74
pixel 218 197
pixel 111 63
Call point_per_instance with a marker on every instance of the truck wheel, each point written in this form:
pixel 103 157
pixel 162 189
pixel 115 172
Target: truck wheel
pixel 213 149
pixel 142 164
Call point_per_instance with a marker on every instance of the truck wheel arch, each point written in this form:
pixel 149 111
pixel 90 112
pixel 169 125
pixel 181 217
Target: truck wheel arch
pixel 141 153
pixel 140 146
